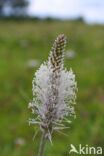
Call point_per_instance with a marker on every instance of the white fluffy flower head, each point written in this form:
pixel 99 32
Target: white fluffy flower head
pixel 54 91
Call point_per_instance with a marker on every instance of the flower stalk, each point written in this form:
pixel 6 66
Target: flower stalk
pixel 42 144
pixel 54 93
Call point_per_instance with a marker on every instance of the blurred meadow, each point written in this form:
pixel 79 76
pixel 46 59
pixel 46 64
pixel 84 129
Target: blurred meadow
pixel 24 45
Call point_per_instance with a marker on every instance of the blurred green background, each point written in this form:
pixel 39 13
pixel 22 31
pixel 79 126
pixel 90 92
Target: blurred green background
pixel 24 45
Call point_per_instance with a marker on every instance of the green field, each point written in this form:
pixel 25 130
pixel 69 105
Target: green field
pixel 23 41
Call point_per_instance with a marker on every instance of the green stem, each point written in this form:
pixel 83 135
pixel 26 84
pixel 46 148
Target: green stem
pixel 42 144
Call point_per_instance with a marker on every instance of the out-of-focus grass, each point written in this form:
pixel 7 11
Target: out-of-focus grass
pixel 22 41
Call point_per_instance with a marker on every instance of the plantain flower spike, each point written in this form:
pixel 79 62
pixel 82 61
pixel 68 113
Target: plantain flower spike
pixel 54 92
